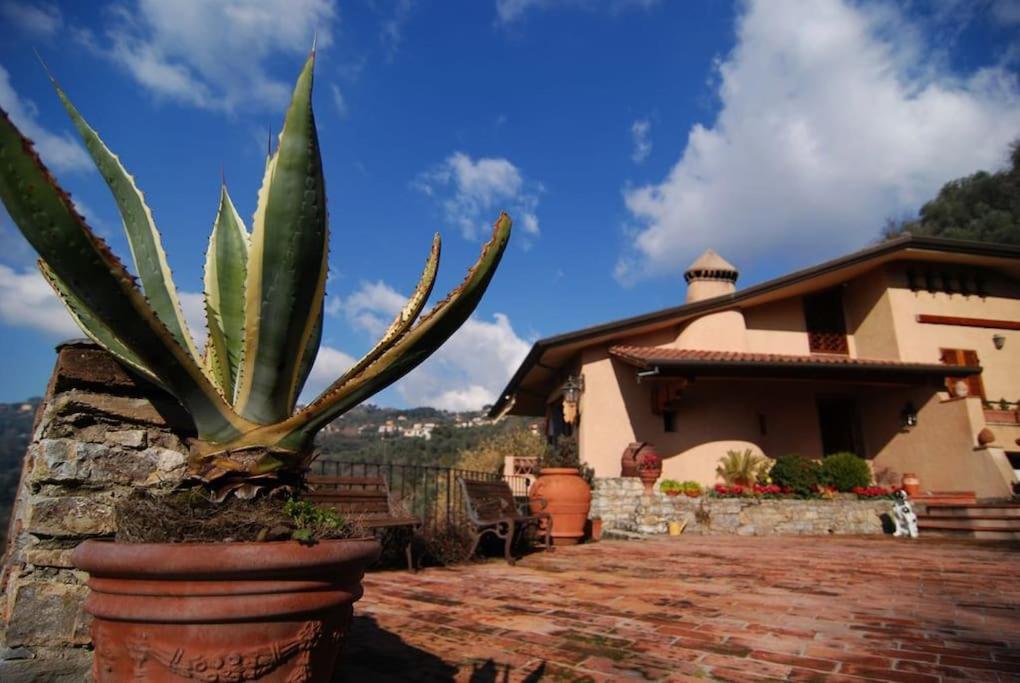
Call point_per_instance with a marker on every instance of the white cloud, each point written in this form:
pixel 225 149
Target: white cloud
pixel 213 55
pixel 328 366
pixel 640 133
pixel 472 192
pixel 38 19
pixel 26 300
pixel 338 99
pixel 831 119
pixel 62 151
pixel 465 373
pixel 509 11
pixel 391 34
pixel 193 307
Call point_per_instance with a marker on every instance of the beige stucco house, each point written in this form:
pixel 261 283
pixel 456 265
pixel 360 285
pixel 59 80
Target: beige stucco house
pixel 900 353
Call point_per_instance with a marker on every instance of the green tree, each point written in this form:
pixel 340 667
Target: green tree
pixel 984 207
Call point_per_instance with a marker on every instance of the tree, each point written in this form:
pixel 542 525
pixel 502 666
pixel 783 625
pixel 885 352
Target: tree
pixel 984 207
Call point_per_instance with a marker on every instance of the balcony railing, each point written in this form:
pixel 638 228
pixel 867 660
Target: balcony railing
pixel 828 342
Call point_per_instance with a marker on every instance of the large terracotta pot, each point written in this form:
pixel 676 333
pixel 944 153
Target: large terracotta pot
pixel 275 611
pixel 911 484
pixel 569 500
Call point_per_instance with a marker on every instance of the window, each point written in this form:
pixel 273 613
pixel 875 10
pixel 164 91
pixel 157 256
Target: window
pixel 668 421
pixel 966 357
pixel 823 315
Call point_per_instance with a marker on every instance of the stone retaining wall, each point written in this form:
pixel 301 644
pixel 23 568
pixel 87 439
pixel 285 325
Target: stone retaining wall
pixel 98 436
pixel 621 504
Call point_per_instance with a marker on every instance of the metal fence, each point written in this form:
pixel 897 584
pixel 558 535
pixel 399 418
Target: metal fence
pixel 427 492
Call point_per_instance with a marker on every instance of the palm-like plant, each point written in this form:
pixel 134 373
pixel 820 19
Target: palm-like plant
pixel 741 467
pixel 264 296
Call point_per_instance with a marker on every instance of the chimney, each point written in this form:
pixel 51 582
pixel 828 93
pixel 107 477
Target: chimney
pixel 710 276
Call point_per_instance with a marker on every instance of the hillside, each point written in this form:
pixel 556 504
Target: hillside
pixel 15 432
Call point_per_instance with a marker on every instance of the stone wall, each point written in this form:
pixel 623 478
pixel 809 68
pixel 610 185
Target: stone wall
pixel 98 436
pixel 622 505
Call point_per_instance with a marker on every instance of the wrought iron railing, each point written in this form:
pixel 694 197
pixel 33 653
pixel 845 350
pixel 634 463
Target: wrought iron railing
pixel 428 492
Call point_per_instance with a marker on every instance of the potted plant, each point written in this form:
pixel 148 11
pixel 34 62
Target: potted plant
pixel 671 487
pixel 562 491
pixel 649 467
pixel 691 489
pixel 741 468
pixel 253 608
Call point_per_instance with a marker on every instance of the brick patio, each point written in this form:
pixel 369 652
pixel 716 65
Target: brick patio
pixel 716 608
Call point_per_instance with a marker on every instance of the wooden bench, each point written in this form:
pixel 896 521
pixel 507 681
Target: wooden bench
pixel 491 509
pixel 366 499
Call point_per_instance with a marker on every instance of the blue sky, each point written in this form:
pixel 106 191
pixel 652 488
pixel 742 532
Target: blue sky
pixel 624 136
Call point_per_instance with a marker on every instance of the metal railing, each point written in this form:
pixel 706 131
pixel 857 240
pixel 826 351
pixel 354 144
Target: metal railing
pixel 428 492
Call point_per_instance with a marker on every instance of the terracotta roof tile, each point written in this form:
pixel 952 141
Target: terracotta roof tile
pixel 653 355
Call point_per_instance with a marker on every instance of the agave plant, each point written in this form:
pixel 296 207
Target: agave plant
pixel 264 296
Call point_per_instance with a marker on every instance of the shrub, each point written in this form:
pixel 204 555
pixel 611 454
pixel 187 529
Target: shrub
pixel 741 467
pixel 691 487
pixel 799 475
pixel 668 485
pixel 845 472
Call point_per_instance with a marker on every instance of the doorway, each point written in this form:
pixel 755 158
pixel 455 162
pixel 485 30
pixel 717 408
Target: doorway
pixel 840 426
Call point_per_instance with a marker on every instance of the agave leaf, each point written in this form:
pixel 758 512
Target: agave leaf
pixel 286 279
pixel 94 327
pixel 143 237
pixel 99 282
pixel 308 359
pixel 404 319
pixel 226 265
pixel 414 347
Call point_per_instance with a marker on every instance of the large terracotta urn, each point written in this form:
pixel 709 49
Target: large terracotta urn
pixel 630 457
pixel 274 612
pixel 568 500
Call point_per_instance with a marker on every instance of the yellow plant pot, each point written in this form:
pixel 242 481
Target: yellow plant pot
pixel 676 528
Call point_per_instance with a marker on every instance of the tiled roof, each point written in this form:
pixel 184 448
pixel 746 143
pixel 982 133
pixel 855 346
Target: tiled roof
pixel 661 355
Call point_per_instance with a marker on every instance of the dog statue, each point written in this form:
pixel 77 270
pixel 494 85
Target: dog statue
pixel 904 516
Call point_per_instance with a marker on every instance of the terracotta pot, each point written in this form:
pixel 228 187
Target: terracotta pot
pixel 569 500
pixel 673 493
pixel 270 612
pixel 629 459
pixel 692 494
pixel 911 484
pixel 596 530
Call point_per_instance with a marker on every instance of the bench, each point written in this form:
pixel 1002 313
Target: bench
pixel 366 499
pixel 491 509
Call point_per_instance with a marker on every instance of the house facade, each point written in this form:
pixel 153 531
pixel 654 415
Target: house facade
pixel 906 353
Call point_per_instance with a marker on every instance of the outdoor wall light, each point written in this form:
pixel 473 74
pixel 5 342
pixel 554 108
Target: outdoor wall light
pixel 572 389
pixel 999 340
pixel 908 416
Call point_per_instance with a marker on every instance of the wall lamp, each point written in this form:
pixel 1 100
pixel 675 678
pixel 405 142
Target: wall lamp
pixel 572 390
pixel 908 416
pixel 999 340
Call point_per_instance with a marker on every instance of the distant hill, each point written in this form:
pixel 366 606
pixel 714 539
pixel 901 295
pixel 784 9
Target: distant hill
pixel 15 432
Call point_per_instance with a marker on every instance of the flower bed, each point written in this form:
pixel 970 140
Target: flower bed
pixel 774 491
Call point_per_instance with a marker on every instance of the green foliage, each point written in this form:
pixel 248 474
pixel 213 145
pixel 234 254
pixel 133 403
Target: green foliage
pixel 984 207
pixel 264 299
pixel 845 471
pixel 313 521
pixel 801 475
pixel 491 453
pixel 562 453
pixel 668 485
pixel 742 467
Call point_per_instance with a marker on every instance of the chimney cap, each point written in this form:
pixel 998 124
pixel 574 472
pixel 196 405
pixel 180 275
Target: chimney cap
pixel 711 266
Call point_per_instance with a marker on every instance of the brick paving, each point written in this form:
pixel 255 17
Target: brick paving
pixel 701 608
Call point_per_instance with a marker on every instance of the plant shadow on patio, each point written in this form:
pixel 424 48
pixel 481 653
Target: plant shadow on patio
pixel 374 654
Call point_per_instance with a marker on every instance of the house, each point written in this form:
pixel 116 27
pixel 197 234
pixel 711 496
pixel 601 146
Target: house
pixel 906 353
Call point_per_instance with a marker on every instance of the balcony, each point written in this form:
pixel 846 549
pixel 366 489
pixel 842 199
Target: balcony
pixel 828 342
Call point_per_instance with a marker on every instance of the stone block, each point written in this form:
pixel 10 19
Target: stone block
pixel 74 667
pixel 164 413
pixel 130 438
pixel 71 516
pixel 64 461
pixel 47 613
pixel 49 557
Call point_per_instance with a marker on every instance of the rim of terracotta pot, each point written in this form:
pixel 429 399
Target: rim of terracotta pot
pixel 560 470
pixel 238 559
